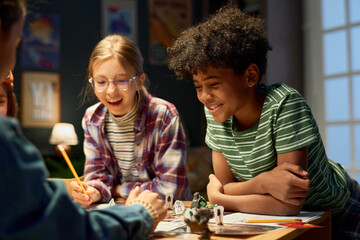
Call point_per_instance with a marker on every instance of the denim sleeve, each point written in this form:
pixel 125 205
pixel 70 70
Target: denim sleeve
pixel 33 208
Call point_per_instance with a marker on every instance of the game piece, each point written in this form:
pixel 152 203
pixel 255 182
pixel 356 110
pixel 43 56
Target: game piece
pixel 179 207
pixel 168 200
pixel 198 201
pixel 190 214
pixel 112 202
pixel 200 222
pixel 219 214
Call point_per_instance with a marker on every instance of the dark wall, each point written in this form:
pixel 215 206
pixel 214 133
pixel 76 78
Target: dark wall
pixel 164 84
pixel 80 31
pixel 284 26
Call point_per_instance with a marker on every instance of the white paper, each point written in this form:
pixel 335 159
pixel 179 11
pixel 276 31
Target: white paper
pixel 240 218
pixel 169 226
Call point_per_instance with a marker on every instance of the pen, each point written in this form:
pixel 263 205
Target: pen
pixel 66 157
pixel 289 220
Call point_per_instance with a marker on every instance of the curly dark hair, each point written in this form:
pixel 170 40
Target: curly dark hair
pixel 229 38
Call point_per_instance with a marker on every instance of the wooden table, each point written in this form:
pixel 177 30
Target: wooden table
pixel 283 233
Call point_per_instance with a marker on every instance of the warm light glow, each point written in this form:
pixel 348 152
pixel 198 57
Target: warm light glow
pixel 63 133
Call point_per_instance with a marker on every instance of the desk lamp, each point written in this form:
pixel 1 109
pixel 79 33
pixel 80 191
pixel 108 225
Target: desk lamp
pixel 64 134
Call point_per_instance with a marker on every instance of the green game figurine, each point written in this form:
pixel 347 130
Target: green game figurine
pixel 201 223
pixel 198 201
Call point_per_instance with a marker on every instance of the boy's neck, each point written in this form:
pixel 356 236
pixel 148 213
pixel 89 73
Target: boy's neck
pixel 251 116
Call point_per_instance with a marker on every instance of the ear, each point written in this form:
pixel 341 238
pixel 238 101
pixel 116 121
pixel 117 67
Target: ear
pixel 141 81
pixel 252 74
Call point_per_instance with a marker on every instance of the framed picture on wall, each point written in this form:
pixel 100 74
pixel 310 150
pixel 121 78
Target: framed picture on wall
pixel 166 20
pixel 119 17
pixel 41 42
pixel 40 99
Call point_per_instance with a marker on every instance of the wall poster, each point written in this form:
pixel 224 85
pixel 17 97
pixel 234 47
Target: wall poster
pixel 167 18
pixel 41 42
pixel 119 16
pixel 40 99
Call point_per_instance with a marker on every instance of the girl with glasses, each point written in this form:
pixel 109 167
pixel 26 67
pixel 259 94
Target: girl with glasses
pixel 131 138
pixel 34 208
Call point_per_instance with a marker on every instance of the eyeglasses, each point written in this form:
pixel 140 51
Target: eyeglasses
pixel 100 84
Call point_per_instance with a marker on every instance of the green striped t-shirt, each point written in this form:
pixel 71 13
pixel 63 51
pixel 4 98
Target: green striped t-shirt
pixel 286 124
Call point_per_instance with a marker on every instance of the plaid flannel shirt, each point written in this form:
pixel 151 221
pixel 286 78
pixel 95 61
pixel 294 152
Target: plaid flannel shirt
pixel 159 150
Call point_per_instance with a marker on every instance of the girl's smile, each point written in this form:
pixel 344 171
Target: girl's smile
pixel 117 102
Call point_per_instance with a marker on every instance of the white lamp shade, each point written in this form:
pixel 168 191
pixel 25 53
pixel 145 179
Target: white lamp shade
pixel 63 133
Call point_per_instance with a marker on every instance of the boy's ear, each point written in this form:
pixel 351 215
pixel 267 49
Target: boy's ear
pixel 252 74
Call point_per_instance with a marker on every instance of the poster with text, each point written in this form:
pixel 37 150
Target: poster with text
pixel 40 99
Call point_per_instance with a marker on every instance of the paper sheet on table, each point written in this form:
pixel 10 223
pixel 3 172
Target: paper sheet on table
pixel 169 226
pixel 240 218
pixel 102 205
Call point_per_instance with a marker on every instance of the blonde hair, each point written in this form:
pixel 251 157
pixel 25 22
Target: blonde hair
pixel 120 47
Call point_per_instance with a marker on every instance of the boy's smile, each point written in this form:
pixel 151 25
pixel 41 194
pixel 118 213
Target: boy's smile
pixel 226 93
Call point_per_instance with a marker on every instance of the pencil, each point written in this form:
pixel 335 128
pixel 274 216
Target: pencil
pixel 284 220
pixel 66 157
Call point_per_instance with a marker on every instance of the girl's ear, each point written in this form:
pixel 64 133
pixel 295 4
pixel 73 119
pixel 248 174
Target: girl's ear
pixel 252 74
pixel 141 81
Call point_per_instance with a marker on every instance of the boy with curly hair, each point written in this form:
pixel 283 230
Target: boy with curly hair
pixel 267 152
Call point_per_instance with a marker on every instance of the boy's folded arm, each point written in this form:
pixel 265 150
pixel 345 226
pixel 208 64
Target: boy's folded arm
pixel 283 186
pixel 254 203
pixel 287 182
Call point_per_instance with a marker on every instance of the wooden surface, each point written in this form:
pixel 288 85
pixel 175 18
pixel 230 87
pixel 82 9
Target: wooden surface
pixel 283 234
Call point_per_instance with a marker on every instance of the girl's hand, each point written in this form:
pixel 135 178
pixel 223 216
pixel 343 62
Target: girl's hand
pixel 132 195
pixel 80 197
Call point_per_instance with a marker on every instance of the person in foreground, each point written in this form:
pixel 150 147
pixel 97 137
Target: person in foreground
pixel 32 207
pixel 131 138
pixel 8 103
pixel 267 152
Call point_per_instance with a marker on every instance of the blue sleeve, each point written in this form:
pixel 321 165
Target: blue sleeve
pixel 33 208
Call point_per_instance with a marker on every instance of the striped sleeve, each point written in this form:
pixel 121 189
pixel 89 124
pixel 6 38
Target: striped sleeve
pixel 294 126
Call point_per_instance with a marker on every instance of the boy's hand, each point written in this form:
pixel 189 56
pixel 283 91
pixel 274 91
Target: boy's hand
pixel 80 197
pixel 288 183
pixel 214 187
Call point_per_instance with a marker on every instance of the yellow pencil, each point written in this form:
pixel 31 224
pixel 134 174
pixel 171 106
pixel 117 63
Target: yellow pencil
pixel 66 157
pixel 284 220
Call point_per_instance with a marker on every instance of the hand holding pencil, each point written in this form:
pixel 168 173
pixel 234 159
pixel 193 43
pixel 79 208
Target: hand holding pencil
pixel 81 192
pixel 92 196
pixel 67 159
